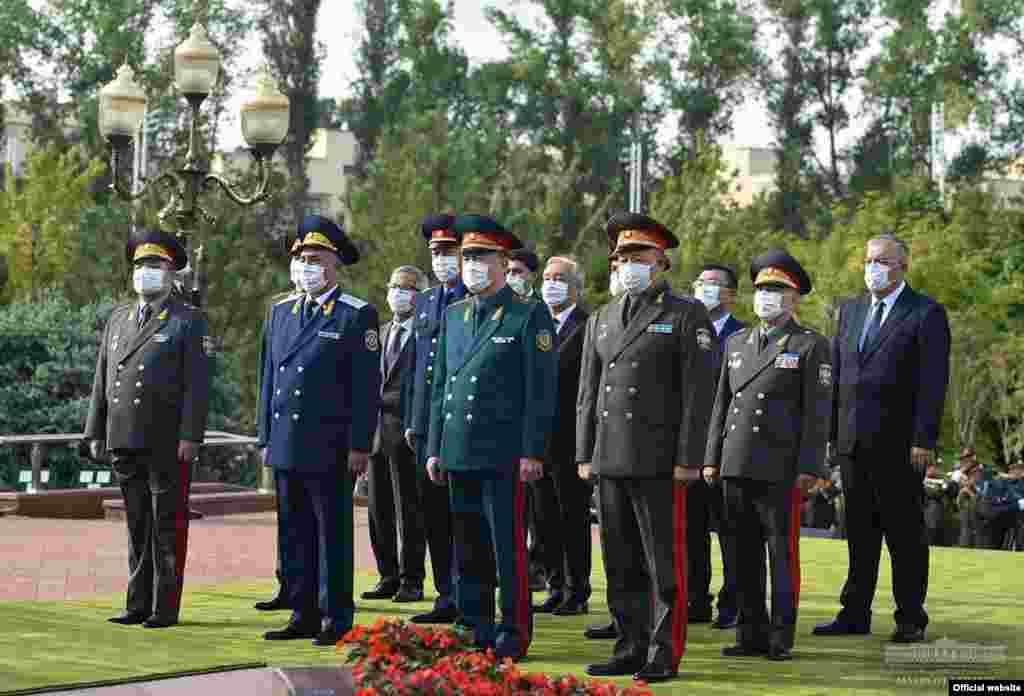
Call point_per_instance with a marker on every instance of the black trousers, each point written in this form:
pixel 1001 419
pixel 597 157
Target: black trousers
pixel 155 486
pixel 405 491
pixel 436 510
pixel 381 514
pixel 563 519
pixel 698 545
pixel 935 521
pixel 760 514
pixel 726 547
pixel 992 531
pixel 643 534
pixel 884 499
pixel 539 499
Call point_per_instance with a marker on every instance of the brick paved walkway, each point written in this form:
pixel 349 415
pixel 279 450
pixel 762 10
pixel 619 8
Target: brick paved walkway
pixel 44 559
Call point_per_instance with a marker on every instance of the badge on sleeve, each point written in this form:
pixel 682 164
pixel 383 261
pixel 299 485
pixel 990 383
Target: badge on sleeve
pixel 788 361
pixel 704 339
pixel 372 341
pixel 544 341
pixel 735 361
pixel 208 345
pixel 825 375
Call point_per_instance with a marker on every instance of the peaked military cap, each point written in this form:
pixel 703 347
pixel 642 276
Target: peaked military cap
pixel 318 232
pixel 635 230
pixel 728 270
pixel 158 244
pixel 439 229
pixel 482 232
pixel 528 258
pixel 777 266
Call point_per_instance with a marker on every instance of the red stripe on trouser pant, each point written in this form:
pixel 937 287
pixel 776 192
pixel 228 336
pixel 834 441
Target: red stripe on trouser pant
pixel 522 566
pixel 181 534
pixel 794 544
pixel 680 613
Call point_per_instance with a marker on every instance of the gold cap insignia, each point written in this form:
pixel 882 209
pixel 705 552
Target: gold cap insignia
pixel 149 249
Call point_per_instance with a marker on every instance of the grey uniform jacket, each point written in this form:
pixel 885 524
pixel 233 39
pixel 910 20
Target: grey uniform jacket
pixel 773 408
pixel 646 390
pixel 152 387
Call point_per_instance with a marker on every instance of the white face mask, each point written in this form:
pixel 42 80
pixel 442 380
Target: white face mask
pixel 518 283
pixel 295 269
pixel 476 276
pixel 635 277
pixel 149 281
pixel 710 295
pixel 446 268
pixel 400 300
pixel 876 276
pixel 555 292
pixel 614 284
pixel 768 304
pixel 311 278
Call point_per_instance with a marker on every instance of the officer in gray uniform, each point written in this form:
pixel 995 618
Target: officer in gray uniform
pixel 767 440
pixel 150 399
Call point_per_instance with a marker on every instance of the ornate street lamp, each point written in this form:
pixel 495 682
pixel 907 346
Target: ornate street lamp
pixel 264 118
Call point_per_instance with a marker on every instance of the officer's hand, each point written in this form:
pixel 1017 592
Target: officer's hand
pixel 806 482
pixel 710 475
pixel 921 459
pixel 436 473
pixel 410 439
pixel 584 471
pixel 188 451
pixel 685 475
pixel 530 469
pixel 357 462
pixel 97 450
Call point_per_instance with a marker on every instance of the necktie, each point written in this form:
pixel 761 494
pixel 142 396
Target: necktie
pixel 144 315
pixel 763 343
pixel 874 327
pixel 394 347
pixel 309 310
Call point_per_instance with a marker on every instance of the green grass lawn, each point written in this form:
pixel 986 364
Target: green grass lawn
pixel 975 596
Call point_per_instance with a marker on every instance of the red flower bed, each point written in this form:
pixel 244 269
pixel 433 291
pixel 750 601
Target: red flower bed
pixel 393 658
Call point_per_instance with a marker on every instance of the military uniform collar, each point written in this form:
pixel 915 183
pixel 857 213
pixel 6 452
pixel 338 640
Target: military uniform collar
pixel 506 294
pixel 156 306
pixel 778 332
pixel 655 293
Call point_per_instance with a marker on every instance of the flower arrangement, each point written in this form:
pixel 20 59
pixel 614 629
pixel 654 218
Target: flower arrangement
pixel 393 658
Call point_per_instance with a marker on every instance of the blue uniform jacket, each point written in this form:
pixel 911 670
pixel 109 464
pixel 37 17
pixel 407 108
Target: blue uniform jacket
pixel 320 390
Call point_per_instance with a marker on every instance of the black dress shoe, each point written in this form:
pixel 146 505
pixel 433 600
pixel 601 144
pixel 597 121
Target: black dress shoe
pixel 778 653
pixel 385 589
pixel 614 668
pixel 841 628
pixel 538 581
pixel 573 606
pixel 603 632
pixel 293 632
pixel 330 634
pixel 726 619
pixel 652 674
pixel 408 593
pixel 549 605
pixel 699 614
pixel 908 633
pixel 276 604
pixel 437 616
pixel 158 622
pixel 741 650
pixel 129 618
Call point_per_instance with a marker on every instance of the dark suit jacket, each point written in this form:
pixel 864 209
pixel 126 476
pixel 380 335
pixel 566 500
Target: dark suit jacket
pixel 892 396
pixel 731 326
pixel 562 445
pixel 392 393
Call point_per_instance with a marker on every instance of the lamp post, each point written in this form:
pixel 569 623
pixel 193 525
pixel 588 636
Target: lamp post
pixel 264 118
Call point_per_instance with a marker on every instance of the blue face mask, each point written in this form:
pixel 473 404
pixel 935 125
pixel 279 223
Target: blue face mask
pixel 876 276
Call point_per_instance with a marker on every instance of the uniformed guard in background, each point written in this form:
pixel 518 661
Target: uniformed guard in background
pixel 446 262
pixel 280 600
pixel 150 400
pixel 767 442
pixel 492 410
pixel 320 393
pixel 644 403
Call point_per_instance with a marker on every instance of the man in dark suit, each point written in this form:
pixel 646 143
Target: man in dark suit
pixel 716 287
pixel 446 261
pixel 891 362
pixel 394 510
pixel 320 396
pixel 150 400
pixel 565 521
pixel 767 439
pixel 642 423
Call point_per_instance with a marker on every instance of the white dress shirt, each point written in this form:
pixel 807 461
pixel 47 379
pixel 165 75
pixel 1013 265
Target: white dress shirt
pixel 720 323
pixel 561 318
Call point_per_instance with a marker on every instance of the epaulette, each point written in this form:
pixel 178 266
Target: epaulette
pixel 353 301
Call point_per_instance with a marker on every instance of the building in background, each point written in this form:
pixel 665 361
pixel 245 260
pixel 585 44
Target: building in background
pixel 755 171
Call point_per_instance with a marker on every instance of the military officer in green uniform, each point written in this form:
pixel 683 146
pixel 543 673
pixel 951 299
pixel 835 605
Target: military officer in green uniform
pixel 644 401
pixel 492 410
pixel 150 399
pixel 767 442
pixel 280 600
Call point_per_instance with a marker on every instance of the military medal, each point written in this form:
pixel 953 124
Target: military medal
pixel 788 361
pixel 372 342
pixel 825 374
pixel 113 343
pixel 162 316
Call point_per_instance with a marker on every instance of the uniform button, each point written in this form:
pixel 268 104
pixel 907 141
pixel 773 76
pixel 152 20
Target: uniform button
pixel 635 365
pixel 453 379
pixel 449 397
pixel 136 402
pixel 115 400
pixel 431 353
pixel 117 384
pixel 471 397
pixel 607 389
pixel 632 390
pixel 279 392
pixel 295 416
pixel 282 368
pixel 473 378
pixel 447 416
pixel 735 410
pixel 760 396
pixel 732 427
pixel 433 340
pixel 757 429
pixel 298 392
pixel 739 395
pixel 604 413
pixel 300 368
pixel 138 384
pixel 629 415
pixel 277 415
pixel 141 368
pixel 120 367
pixel 430 368
pixel 469 416
pixel 611 365
pixel 759 412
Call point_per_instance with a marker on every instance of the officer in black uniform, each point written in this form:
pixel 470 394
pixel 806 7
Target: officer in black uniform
pixel 767 441
pixel 150 400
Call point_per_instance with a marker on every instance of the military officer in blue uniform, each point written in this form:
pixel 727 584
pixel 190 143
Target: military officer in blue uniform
pixel 492 410
pixel 446 262
pixel 150 401
pixel 320 394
